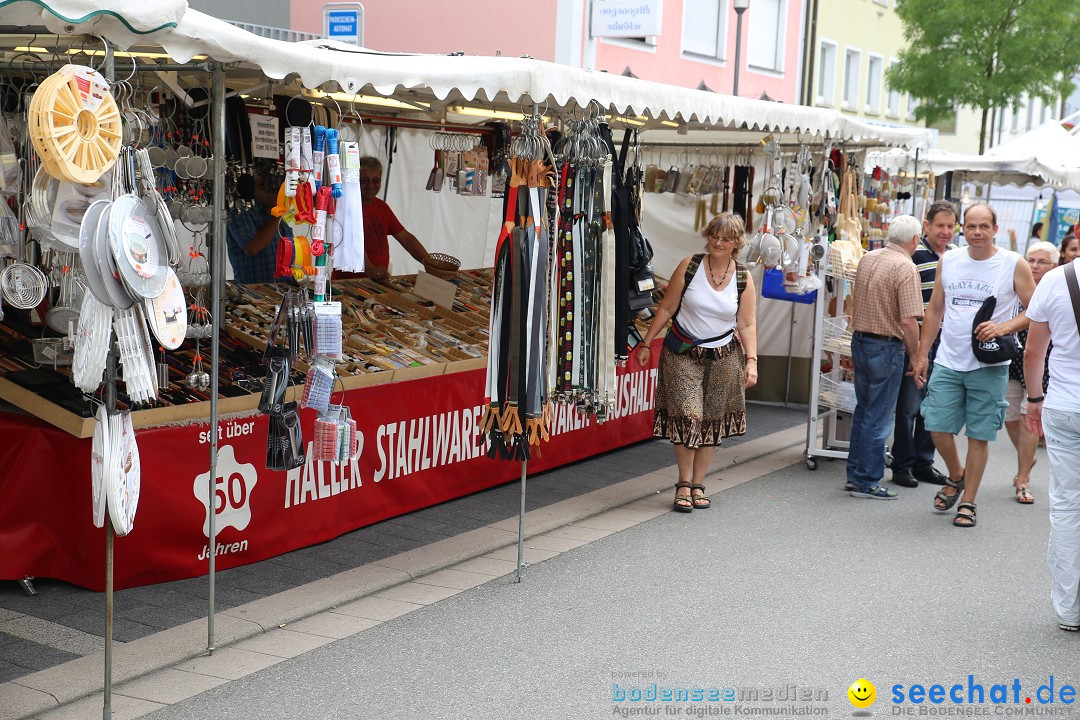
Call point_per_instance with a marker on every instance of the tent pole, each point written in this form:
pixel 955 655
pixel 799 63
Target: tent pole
pixel 524 466
pixel 110 410
pixel 217 274
pixel 521 525
pixel 915 182
pixel 790 349
pixel 110 557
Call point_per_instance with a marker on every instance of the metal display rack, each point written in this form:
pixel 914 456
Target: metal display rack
pixel 832 393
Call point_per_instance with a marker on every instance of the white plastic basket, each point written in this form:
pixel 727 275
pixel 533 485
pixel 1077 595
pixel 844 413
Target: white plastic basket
pixel 841 264
pixel 838 394
pixel 836 337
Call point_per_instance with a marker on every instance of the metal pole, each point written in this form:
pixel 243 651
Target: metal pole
pixel 521 525
pixel 217 267
pixel 738 47
pixel 110 408
pixel 790 347
pixel 106 710
pixel 915 182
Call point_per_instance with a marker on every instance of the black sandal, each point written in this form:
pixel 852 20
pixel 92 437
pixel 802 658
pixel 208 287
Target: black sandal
pixel 949 500
pixel 968 518
pixel 678 505
pixel 700 502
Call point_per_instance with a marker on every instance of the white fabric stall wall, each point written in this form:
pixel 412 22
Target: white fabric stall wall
pixel 464 226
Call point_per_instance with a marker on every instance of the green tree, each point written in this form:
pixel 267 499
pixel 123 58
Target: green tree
pixel 986 53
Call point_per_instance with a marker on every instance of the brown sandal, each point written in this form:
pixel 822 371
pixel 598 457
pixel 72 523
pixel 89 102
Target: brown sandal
pixel 1023 495
pixel 700 502
pixel 683 503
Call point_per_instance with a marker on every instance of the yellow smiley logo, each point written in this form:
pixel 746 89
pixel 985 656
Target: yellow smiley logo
pixel 862 693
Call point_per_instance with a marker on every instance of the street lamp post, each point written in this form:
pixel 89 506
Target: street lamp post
pixel 740 8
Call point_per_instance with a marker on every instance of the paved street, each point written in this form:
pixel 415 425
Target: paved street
pixel 63 622
pixel 786 582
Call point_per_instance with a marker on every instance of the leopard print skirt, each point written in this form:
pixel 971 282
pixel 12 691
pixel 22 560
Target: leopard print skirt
pixel 700 398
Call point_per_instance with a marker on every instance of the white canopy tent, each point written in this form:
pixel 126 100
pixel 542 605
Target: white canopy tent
pixel 1046 155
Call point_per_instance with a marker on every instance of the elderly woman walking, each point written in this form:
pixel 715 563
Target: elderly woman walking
pixel 709 356
pixel 1042 256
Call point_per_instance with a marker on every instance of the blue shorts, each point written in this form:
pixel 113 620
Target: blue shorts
pixel 975 399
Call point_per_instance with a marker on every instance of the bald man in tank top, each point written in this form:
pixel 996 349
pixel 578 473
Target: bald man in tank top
pixel 964 392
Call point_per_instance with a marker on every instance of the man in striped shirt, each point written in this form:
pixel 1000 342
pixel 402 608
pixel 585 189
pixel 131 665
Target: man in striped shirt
pixel 913 448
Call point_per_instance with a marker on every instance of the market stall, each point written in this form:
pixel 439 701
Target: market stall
pixel 1018 177
pixel 421 431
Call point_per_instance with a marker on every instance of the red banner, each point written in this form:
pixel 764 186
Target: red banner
pixel 421 445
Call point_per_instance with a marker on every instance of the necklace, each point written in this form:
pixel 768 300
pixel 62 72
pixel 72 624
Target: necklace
pixel 712 277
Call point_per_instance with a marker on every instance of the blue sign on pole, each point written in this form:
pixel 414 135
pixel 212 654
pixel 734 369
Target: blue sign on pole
pixel 344 21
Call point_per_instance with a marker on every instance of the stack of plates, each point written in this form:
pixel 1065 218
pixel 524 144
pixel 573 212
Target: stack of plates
pixel 125 247
pixel 91 343
pixel 167 313
pixel 137 243
pixel 136 355
pixel 116 486
pixel 100 458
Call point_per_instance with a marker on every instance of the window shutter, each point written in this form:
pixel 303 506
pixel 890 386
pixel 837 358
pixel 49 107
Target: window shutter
pixel 701 23
pixel 765 24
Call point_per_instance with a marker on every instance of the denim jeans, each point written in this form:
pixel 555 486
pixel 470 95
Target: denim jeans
pixel 913 447
pixel 879 366
pixel 1063 551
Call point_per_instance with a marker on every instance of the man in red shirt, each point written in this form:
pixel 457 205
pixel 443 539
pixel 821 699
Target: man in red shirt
pixel 380 222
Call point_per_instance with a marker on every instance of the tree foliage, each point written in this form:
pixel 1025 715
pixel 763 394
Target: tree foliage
pixel 986 53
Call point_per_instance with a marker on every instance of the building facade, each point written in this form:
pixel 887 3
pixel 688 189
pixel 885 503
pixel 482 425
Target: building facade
pixel 695 47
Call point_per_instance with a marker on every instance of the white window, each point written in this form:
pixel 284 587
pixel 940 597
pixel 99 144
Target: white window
pixel 852 60
pixel 705 27
pixel 1015 119
pixel 826 76
pixel 1030 102
pixel 912 104
pixel 875 67
pixel 766 36
pixel 1043 112
pixel 892 101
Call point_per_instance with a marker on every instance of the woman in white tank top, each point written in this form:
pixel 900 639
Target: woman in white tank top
pixel 701 391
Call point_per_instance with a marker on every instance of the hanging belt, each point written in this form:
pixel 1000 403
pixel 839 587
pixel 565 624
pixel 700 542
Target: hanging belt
pixel 606 388
pixel 575 301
